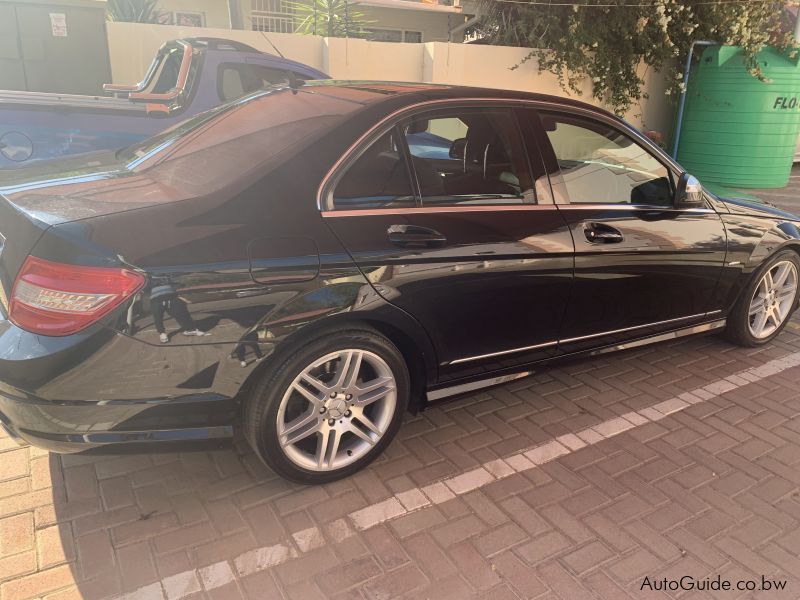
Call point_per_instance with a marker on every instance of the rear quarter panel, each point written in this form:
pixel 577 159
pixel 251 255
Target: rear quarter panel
pixel 203 247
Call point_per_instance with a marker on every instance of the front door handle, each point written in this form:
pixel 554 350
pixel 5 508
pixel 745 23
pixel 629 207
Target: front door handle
pixel 600 233
pixel 414 235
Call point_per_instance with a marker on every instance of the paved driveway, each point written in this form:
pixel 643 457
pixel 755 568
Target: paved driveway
pixel 674 460
pixel 787 198
pixel 680 459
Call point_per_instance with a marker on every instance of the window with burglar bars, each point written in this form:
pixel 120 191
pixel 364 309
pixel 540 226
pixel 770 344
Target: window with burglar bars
pixel 273 15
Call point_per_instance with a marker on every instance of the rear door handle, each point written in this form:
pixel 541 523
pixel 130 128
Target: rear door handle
pixel 414 235
pixel 600 233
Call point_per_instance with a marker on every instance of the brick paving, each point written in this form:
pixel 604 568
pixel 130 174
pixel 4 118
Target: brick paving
pixel 642 483
pixel 672 460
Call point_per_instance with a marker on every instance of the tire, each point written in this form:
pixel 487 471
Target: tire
pixel 294 415
pixel 742 326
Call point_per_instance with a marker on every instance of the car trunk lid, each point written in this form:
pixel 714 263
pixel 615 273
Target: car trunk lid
pixel 86 186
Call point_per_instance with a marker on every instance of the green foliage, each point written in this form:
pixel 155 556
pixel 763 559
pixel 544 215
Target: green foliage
pixel 608 44
pixel 330 18
pixel 133 11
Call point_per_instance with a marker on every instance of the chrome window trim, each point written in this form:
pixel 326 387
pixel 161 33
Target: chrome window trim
pixel 325 189
pixel 466 208
pixel 462 208
pixel 392 118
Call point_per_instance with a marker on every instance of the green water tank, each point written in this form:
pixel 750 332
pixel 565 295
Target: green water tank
pixel 737 130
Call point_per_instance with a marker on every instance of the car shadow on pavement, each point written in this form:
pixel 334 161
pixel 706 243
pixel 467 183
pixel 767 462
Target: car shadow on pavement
pixel 129 520
pixel 219 524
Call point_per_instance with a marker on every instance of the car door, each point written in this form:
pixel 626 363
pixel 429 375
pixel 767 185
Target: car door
pixel 449 219
pixel 641 265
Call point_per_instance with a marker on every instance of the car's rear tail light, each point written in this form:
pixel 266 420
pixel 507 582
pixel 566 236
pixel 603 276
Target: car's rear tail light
pixel 58 299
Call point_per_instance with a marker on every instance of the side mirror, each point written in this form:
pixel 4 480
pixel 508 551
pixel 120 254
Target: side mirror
pixel 689 193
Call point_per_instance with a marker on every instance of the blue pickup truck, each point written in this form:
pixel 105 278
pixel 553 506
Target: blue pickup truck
pixel 186 77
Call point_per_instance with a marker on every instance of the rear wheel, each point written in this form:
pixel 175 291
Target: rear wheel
pixel 329 408
pixel 767 303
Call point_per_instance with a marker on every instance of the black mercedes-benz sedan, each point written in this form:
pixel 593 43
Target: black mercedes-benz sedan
pixel 308 263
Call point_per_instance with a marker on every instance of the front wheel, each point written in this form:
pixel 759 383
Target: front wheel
pixel 330 408
pixel 767 302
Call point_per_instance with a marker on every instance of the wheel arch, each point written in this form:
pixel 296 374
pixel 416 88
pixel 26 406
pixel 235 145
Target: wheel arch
pixel 738 329
pixel 748 254
pixel 762 253
pixel 397 326
pixel 791 245
pixel 779 237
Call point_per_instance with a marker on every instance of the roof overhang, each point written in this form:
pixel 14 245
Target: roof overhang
pixel 411 5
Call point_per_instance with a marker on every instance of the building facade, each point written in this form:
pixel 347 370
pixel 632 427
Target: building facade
pixel 410 21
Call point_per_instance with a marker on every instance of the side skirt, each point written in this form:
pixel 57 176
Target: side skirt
pixel 434 395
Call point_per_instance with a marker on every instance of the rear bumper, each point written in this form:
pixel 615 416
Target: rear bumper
pixel 80 426
pixel 105 390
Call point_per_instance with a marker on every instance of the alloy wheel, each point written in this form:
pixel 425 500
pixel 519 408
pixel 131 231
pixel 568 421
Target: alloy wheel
pixel 336 410
pixel 772 300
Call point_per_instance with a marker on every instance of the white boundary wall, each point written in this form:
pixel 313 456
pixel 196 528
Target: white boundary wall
pixel 133 45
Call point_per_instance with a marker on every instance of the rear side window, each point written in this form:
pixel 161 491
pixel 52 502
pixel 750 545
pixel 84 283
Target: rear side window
pixel 599 164
pixel 468 156
pixel 379 178
pixel 237 80
pixel 231 83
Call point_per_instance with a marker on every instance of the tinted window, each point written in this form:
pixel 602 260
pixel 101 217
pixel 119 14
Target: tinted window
pixel 468 156
pixel 600 164
pixel 236 80
pixel 168 73
pixel 379 178
pixel 266 76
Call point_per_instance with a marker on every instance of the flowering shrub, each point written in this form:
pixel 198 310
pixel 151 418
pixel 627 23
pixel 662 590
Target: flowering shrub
pixel 608 43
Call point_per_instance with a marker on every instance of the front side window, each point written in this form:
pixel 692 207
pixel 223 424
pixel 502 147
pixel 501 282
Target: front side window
pixel 468 156
pixel 379 178
pixel 599 164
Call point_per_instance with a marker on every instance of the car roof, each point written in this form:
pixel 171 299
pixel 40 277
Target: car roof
pixel 375 91
pixel 330 104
